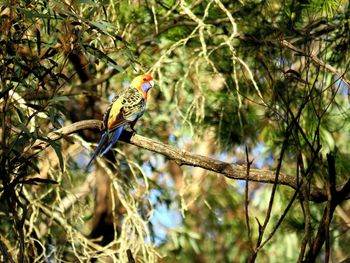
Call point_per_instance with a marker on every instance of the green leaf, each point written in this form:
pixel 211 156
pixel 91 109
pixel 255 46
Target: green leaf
pixel 32 165
pixel 88 217
pixel 58 99
pixel 24 128
pixel 51 112
pixel 115 66
pixel 104 57
pixel 31 14
pixel 88 2
pixel 193 235
pixel 34 106
pixel 20 114
pixel 92 13
pixel 194 245
pixel 68 138
pixel 36 180
pixel 57 149
pixel 5 90
pixel 104 26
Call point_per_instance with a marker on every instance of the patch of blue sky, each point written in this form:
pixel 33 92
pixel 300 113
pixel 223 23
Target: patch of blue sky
pixel 157 160
pixel 60 121
pixel 83 159
pixel 223 157
pixel 258 151
pixel 261 158
pixel 172 138
pixel 167 217
pixel 344 88
pixel 147 169
pixel 164 218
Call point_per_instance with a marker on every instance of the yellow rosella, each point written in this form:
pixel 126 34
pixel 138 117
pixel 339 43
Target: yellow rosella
pixel 126 108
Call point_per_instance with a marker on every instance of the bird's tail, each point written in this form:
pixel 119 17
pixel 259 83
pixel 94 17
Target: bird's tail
pixel 98 149
pixel 114 138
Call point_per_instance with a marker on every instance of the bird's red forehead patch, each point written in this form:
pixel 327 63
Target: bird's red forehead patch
pixel 147 77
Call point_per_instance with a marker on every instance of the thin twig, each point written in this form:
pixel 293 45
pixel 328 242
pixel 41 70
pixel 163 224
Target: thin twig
pixel 5 251
pixel 316 61
pixel 269 209
pixel 305 207
pixel 323 229
pixel 281 218
pixel 246 202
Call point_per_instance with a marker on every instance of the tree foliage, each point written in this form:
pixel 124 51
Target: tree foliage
pixel 257 83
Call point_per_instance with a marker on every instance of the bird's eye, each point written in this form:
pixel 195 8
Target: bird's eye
pixel 144 79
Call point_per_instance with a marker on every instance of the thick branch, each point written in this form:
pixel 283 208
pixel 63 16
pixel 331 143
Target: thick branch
pixel 182 157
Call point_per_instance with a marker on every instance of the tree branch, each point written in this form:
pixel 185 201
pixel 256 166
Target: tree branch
pixel 181 157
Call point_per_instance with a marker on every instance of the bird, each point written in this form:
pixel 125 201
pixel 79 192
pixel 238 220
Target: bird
pixel 126 108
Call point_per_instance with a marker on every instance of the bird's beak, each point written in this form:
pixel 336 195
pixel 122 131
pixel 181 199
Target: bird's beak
pixel 151 83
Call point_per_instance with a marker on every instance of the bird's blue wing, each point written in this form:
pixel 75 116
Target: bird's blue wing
pixel 114 138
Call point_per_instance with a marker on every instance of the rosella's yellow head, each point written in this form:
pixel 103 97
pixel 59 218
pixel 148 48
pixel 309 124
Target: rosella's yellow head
pixel 143 83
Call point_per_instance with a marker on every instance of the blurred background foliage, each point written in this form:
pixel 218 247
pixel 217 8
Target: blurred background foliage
pixel 225 81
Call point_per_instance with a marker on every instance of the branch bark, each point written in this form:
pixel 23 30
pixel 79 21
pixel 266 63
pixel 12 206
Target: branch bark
pixel 181 157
